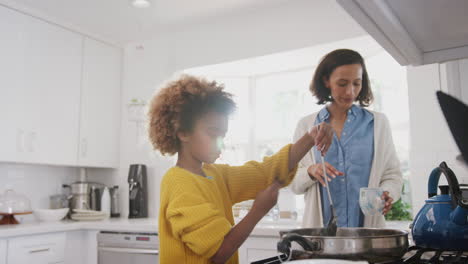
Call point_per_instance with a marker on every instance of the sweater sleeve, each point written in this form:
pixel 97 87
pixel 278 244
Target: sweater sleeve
pixel 391 180
pixel 244 182
pixel 195 221
pixel 302 181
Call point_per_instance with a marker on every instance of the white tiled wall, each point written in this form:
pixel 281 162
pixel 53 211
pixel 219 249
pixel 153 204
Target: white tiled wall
pixel 37 182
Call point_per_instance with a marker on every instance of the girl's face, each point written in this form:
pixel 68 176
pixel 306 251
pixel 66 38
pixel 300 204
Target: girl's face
pixel 345 84
pixel 206 140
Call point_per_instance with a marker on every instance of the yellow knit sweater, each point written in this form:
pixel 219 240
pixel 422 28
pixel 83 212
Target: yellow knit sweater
pixel 196 212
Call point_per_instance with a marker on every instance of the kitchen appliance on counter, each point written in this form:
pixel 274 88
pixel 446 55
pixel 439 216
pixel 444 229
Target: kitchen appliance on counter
pixel 138 191
pixel 442 223
pixel 85 195
pixel 124 248
pixel 115 204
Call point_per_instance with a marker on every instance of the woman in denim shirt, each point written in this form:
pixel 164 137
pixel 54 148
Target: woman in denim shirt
pixel 362 153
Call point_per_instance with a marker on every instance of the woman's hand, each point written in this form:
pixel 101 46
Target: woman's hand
pixel 316 172
pixel 323 136
pixel 266 199
pixel 388 202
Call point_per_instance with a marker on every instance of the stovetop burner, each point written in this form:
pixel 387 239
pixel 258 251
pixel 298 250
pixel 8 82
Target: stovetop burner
pixel 414 255
pixel 421 255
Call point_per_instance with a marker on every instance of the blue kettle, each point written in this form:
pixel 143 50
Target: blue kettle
pixel 442 223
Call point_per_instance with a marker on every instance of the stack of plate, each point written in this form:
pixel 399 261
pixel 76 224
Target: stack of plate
pixel 88 215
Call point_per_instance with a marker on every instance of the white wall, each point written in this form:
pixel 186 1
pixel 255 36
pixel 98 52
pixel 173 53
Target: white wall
pixel 147 64
pixel 431 140
pixel 37 182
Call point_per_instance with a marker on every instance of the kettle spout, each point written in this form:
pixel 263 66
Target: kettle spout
pixel 459 216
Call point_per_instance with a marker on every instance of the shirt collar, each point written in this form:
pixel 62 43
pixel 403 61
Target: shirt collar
pixel 324 114
pixel 353 110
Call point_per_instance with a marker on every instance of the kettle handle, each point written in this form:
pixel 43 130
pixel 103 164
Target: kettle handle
pixel 454 186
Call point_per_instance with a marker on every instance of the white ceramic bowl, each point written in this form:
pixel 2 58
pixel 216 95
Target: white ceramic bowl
pixel 50 215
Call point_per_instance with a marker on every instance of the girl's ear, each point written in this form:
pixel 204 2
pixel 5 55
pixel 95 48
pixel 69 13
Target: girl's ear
pixel 183 136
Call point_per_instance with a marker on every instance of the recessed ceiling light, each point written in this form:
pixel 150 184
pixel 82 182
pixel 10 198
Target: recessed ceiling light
pixel 141 3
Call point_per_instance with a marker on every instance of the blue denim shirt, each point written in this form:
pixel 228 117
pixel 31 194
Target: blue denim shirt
pixel 352 154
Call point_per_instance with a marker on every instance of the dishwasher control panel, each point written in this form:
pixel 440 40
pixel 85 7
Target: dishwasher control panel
pixel 128 239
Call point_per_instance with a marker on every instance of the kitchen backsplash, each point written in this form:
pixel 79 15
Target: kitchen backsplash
pixel 37 182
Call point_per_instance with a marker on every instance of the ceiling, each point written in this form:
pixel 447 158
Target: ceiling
pixel 118 22
pixel 289 61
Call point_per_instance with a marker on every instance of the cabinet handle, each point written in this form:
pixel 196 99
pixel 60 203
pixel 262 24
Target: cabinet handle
pixel 84 147
pixel 20 140
pixel 39 250
pixel 30 141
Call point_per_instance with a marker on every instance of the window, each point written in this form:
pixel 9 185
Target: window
pixel 271 103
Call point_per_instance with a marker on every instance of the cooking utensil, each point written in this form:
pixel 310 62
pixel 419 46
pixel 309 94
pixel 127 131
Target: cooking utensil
pixel 442 223
pixel 332 222
pixel 370 244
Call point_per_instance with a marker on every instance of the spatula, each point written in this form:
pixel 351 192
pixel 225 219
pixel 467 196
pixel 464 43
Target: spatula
pixel 331 226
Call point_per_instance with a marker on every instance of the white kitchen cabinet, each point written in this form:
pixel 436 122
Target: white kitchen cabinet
pixel 3 251
pixel 11 87
pixel 60 95
pixel 53 63
pixel 257 248
pixel 100 101
pixel 81 247
pixel 41 75
pixel 38 249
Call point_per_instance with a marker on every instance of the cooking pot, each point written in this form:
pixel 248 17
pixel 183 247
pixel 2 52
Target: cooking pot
pixel 369 244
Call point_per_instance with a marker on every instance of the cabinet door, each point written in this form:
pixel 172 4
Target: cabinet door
pixel 52 75
pixel 3 252
pixel 100 100
pixel 11 85
pixel 38 249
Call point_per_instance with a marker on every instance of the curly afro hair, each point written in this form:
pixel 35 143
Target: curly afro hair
pixel 176 107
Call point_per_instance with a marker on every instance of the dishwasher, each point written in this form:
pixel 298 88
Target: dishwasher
pixel 126 248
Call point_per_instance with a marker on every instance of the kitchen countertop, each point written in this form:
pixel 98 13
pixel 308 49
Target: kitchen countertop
pixel 265 228
pixel 112 224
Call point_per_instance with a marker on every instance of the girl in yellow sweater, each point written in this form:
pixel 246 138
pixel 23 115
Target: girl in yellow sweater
pixel 190 117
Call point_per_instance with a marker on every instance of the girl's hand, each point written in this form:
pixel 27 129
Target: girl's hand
pixel 266 199
pixel 323 136
pixel 316 172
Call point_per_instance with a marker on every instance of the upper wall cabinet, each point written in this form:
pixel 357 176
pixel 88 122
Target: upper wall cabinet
pixel 40 90
pixel 100 100
pixel 59 95
pixel 415 32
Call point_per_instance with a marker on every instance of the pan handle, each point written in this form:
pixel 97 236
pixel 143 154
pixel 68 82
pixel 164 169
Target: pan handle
pixel 284 245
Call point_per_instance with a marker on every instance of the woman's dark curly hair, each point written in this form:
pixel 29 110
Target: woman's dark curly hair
pixel 176 107
pixel 328 64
